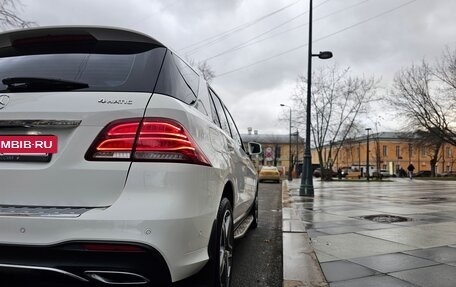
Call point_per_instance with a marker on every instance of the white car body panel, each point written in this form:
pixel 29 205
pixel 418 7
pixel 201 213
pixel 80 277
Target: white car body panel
pixel 170 207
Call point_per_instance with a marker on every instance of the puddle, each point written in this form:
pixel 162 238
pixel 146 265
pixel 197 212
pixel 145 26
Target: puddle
pixel 434 199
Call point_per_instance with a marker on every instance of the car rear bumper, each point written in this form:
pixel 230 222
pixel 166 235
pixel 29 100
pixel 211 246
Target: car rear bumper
pixel 173 249
pixel 172 219
pixel 269 177
pixel 71 263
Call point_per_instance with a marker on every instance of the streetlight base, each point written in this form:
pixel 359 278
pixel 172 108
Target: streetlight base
pixel 307 188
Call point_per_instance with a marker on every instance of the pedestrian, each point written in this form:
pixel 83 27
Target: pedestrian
pixel 410 169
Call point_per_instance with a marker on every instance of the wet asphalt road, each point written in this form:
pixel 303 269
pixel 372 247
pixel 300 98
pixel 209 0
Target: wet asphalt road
pixel 258 256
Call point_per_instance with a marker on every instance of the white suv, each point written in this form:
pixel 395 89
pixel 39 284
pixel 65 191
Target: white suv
pixel 118 163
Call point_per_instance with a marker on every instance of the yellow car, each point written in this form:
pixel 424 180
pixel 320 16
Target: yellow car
pixel 269 173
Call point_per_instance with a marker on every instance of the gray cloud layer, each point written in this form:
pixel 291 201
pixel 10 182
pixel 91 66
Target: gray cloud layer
pixel 380 46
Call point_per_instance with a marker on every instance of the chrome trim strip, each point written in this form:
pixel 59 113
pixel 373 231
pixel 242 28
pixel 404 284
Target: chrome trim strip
pixel 39 123
pixel 37 211
pixel 98 275
pixel 40 268
pixel 242 229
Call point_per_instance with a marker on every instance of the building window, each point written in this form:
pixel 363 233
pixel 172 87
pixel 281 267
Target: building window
pixel 448 152
pixel 385 150
pixel 423 151
pixel 384 166
pixel 278 152
pixel 398 151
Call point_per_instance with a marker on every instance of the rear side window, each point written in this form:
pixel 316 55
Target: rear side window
pixel 203 102
pixel 119 66
pixel 221 113
pixel 234 131
pixel 215 117
pixel 178 80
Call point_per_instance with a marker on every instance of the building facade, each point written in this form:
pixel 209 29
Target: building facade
pixel 390 151
pixel 387 150
pixel 276 149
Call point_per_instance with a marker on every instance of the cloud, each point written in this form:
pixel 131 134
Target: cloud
pixel 364 36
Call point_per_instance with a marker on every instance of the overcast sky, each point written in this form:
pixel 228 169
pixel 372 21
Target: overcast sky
pixel 263 42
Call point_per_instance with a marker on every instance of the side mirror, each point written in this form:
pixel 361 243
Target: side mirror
pixel 254 148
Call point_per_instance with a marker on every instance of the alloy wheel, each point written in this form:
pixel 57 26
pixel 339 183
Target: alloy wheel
pixel 226 249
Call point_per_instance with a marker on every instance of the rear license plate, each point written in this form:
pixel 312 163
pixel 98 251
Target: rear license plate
pixel 37 148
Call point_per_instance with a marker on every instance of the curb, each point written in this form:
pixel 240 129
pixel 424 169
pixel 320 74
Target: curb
pixel 300 264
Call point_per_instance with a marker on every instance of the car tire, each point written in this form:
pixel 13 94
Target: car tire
pixel 254 211
pixel 221 251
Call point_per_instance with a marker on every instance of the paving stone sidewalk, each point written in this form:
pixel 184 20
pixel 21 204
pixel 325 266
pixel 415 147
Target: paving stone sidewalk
pixel 394 233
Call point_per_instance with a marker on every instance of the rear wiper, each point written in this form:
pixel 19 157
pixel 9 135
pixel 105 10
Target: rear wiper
pixel 31 84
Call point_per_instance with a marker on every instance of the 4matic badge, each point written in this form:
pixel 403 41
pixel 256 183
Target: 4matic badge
pixel 115 102
pixel 4 100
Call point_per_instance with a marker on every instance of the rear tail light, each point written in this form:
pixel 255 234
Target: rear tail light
pixel 149 139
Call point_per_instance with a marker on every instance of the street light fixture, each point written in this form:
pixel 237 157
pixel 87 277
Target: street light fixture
pixel 367 154
pixel 323 55
pixel 307 188
pixel 290 178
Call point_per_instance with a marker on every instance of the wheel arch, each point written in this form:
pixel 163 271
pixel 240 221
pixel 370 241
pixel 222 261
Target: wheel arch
pixel 228 192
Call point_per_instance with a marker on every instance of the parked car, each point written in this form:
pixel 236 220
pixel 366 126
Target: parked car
pixel 344 171
pixel 448 174
pixel 382 173
pixel 119 162
pixel 269 173
pixel 317 173
pixel 423 173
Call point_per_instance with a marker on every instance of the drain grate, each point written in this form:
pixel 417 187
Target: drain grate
pixel 386 218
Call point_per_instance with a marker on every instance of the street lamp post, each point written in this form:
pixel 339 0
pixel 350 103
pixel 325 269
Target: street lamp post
pixel 297 150
pixel 367 154
pixel 410 152
pixel 307 188
pixel 290 178
pixel 359 156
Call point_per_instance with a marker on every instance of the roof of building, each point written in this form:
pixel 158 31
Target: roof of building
pixel 387 136
pixel 271 138
pixel 284 138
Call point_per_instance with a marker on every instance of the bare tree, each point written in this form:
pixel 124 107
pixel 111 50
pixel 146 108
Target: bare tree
pixel 426 95
pixel 446 70
pixel 432 145
pixel 204 68
pixel 9 17
pixel 338 99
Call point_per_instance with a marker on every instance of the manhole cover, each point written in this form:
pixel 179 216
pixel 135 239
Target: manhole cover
pixel 386 218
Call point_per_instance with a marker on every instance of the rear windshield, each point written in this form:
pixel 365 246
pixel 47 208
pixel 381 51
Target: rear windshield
pixel 113 66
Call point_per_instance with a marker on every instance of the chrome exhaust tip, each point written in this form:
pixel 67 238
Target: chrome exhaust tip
pixel 116 277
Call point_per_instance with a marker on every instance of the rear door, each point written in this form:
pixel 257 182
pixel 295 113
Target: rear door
pixel 243 173
pixel 244 169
